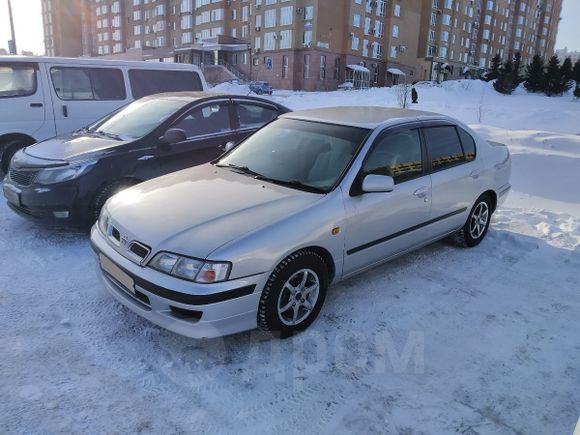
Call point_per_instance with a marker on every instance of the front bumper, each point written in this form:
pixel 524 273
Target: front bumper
pixel 190 309
pixel 56 204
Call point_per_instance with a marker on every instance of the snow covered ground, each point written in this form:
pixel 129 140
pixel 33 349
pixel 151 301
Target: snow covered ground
pixel 444 340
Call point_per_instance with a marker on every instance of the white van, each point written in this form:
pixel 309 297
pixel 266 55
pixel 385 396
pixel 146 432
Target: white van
pixel 42 97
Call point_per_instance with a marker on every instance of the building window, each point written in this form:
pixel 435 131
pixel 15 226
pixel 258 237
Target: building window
pixel 286 15
pixel 322 74
pixel 309 12
pixel 307 38
pixel 285 39
pixel 397 10
pixel 270 18
pixel 336 75
pixel 306 69
pixel 393 52
pixel 395 32
pixel 356 20
pixel 355 41
pixel 284 67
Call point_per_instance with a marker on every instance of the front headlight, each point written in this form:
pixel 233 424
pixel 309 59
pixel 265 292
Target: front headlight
pixel 104 221
pixel 64 173
pixel 191 269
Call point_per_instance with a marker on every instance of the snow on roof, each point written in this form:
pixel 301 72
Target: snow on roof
pixel 358 68
pixel 396 71
pixel 465 69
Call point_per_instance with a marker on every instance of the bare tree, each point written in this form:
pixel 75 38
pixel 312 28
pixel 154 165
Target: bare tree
pixel 404 95
pixel 481 106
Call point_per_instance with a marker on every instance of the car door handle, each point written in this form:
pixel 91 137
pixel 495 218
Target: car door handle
pixel 146 157
pixel 421 192
pixel 65 111
pixel 35 104
pixel 475 174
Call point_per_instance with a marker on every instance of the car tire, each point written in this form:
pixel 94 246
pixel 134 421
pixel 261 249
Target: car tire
pixel 9 149
pixel 105 193
pixel 285 308
pixel 477 224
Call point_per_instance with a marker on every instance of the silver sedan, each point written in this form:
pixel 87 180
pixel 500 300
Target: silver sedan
pixel 255 238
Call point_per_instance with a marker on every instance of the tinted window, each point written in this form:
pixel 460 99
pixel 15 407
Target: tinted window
pixel 17 79
pixel 254 116
pixel 468 144
pixel 310 153
pixel 88 83
pixel 211 119
pixel 397 155
pixel 444 146
pixel 148 82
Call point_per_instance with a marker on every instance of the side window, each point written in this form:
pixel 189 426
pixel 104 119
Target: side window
pixel 253 115
pixel 468 144
pixel 397 155
pixel 17 79
pixel 444 146
pixel 210 119
pixel 149 82
pixel 88 83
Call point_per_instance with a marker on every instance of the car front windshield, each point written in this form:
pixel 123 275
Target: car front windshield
pixel 138 118
pixel 300 154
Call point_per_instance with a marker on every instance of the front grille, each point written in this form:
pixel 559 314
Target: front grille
pixel 139 250
pixel 22 177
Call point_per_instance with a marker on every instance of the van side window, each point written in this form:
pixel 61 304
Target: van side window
pixel 17 79
pixel 148 82
pixel 468 144
pixel 88 83
pixel 397 155
pixel 444 146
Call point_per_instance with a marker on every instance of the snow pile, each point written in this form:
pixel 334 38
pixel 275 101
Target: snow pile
pixel 443 340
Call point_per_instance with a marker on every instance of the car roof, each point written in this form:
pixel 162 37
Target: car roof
pixel 99 61
pixel 363 117
pixel 192 96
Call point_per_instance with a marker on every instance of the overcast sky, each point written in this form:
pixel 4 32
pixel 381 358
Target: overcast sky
pixel 29 34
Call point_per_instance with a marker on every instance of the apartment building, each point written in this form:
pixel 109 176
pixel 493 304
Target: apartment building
pixel 62 21
pixel 321 44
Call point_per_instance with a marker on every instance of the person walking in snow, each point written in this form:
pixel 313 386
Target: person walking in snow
pixel 414 95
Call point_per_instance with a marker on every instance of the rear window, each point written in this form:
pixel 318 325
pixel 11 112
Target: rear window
pixel 468 143
pixel 444 146
pixel 88 83
pixel 254 116
pixel 148 82
pixel 17 79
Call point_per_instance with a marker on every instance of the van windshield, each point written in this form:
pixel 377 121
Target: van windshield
pixel 137 119
pixel 17 80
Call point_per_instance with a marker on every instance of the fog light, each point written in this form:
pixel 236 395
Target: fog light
pixel 60 214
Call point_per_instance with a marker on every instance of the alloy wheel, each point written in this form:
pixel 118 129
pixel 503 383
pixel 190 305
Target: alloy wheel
pixel 298 297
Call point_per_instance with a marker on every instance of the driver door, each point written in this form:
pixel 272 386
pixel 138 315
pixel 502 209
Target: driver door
pixel 382 224
pixel 208 129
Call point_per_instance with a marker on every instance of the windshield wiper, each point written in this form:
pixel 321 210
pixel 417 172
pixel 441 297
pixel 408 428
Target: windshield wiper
pixel 243 169
pixel 111 135
pixel 296 184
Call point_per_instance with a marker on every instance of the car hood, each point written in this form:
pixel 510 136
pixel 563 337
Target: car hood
pixel 72 147
pixel 195 211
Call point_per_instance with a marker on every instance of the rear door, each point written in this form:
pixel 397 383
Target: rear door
pixel 251 115
pixel 22 100
pixel 455 175
pixel 81 95
pixel 208 128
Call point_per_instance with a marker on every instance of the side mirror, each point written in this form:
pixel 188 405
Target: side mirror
pixel 229 146
pixel 378 183
pixel 173 135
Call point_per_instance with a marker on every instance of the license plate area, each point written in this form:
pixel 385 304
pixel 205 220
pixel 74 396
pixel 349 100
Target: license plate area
pixel 12 194
pixel 117 273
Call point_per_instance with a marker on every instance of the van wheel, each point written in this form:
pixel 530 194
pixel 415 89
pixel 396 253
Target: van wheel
pixel 9 149
pixel 294 294
pixel 105 193
pixel 477 224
